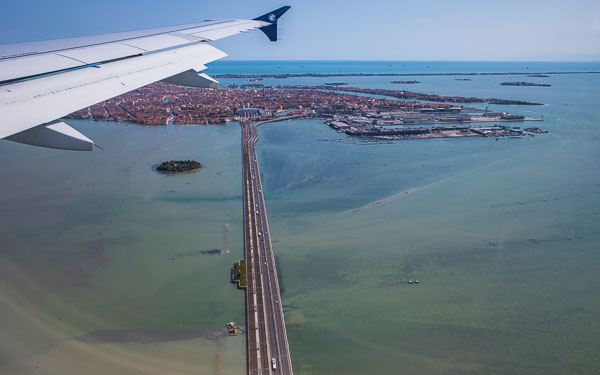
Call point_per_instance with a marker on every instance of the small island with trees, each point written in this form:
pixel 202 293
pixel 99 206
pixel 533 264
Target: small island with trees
pixel 521 83
pixel 238 274
pixel 178 166
pixel 406 82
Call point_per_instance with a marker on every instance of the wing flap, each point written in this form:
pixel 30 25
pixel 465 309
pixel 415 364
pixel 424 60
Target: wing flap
pixel 57 135
pixel 192 78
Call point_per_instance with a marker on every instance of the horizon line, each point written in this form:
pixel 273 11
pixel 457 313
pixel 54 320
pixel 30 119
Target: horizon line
pixel 383 60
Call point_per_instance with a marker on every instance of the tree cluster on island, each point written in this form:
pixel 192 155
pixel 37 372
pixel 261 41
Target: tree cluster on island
pixel 178 166
pixel 238 274
pixel 522 83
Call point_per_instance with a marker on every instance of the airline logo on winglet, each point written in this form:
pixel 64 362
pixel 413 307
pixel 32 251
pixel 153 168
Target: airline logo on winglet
pixel 272 17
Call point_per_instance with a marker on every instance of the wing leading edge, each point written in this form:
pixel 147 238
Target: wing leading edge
pixel 59 77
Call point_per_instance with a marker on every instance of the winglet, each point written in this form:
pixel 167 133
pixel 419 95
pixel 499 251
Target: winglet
pixel 272 17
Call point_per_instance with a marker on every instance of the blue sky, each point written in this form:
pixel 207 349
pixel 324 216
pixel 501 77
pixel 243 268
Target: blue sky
pixel 538 30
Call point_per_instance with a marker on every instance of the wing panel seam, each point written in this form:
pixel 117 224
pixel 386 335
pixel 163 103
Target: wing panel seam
pixel 72 58
pixel 102 43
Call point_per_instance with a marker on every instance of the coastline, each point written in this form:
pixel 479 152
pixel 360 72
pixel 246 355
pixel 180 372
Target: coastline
pixel 323 75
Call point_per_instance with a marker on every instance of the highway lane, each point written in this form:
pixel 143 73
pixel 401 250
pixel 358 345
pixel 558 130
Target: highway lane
pixel 266 334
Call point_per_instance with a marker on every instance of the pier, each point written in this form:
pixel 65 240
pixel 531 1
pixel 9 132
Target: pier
pixel 267 344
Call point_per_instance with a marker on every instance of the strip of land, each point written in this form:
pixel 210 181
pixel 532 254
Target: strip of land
pixel 320 75
pixel 416 189
pixel 410 191
pixel 523 83
pixel 403 94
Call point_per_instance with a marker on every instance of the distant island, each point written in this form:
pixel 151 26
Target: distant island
pixel 538 75
pixel 510 102
pixel 521 83
pixel 462 79
pixel 335 84
pixel 406 82
pixel 403 94
pixel 320 75
pixel 178 166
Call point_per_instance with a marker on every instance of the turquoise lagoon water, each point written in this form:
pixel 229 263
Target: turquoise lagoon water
pixel 92 242
pixel 503 236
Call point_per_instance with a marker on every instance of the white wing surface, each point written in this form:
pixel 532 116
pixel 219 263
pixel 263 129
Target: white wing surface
pixel 40 82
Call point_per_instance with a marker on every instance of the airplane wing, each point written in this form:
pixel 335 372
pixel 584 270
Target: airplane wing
pixel 41 82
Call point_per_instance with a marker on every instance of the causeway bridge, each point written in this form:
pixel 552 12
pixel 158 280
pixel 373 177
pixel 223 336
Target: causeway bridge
pixel 267 344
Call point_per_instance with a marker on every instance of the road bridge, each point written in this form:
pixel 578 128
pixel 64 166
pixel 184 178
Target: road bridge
pixel 267 345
